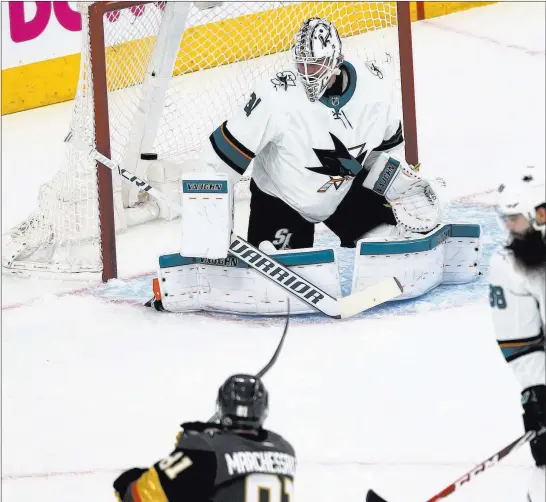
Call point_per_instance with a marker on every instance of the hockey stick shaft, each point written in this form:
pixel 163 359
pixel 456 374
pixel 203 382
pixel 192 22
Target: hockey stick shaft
pixel 83 147
pixel 275 356
pixel 486 464
pixel 478 469
pixel 261 262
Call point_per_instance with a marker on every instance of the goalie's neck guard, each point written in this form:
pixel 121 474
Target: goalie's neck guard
pixel 337 101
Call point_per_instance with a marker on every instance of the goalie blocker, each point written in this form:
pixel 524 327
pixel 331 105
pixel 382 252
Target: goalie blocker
pixel 446 255
pixel 207 215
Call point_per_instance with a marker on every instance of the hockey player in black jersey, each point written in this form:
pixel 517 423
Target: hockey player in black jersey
pixel 234 460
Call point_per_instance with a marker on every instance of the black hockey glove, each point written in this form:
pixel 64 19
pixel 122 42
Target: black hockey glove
pixel 533 400
pixel 124 480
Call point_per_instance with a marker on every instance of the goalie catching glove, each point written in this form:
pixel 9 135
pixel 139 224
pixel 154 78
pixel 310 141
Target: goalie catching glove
pixel 414 203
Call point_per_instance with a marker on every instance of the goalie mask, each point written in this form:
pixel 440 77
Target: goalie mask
pixel 317 55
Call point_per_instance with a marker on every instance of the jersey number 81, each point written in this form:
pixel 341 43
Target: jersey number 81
pixel 272 485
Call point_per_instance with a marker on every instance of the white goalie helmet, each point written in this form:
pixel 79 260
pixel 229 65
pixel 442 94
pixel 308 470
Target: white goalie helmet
pixel 522 197
pixel 317 55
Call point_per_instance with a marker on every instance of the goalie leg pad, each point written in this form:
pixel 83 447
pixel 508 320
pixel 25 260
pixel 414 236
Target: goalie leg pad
pixel 447 255
pixel 229 285
pixel 207 218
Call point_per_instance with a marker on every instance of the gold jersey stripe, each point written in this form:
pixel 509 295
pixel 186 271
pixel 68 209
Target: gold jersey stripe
pixel 148 488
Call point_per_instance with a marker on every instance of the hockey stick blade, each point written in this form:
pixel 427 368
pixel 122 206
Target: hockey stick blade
pixel 275 356
pixel 470 475
pixel 381 292
pixel 264 264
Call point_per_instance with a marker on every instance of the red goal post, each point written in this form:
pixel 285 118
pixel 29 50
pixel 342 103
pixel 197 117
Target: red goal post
pixel 119 54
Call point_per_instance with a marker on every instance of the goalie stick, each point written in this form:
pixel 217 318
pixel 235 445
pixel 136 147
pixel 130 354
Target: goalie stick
pixel 275 356
pixel 264 264
pixel 470 475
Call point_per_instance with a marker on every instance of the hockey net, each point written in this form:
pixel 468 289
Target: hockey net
pixel 123 112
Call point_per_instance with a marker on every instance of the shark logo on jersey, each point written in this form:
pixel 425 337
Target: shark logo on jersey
pixel 374 69
pixel 283 80
pixel 338 163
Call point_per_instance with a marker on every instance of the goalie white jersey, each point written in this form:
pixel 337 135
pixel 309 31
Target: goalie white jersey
pixel 304 153
pixel 517 298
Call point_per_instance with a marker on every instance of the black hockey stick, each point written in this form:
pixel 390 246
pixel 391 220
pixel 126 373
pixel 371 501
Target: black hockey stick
pixel 275 356
pixel 470 475
pixel 264 264
pixel 273 360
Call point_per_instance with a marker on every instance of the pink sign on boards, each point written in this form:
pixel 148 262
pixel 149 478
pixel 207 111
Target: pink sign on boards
pixel 22 29
pixel 25 24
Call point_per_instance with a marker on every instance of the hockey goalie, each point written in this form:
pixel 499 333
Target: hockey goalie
pixel 325 139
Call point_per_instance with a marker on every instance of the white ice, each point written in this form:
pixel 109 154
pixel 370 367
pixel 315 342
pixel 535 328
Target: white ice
pixel 402 404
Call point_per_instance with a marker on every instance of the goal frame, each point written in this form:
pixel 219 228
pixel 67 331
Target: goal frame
pixel 97 11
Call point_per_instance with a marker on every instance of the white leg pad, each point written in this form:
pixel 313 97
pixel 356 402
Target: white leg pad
pixel 229 285
pixel 446 255
pixel 207 217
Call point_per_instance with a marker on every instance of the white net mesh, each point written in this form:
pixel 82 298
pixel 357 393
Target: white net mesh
pixel 224 51
pixel 62 233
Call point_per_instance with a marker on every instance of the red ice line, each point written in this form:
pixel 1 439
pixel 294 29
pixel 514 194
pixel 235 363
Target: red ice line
pixel 46 475
pixel 526 50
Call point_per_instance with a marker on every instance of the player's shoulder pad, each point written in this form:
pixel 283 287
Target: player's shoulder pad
pixel 195 435
pixel 376 70
pixel 183 474
pixel 279 90
pixel 374 77
pixel 281 443
pixel 199 426
pixel 284 82
pixel 503 271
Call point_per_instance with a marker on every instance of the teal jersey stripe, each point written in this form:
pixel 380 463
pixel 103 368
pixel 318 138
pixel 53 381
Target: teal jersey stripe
pixel 511 353
pixel 526 346
pixel 228 153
